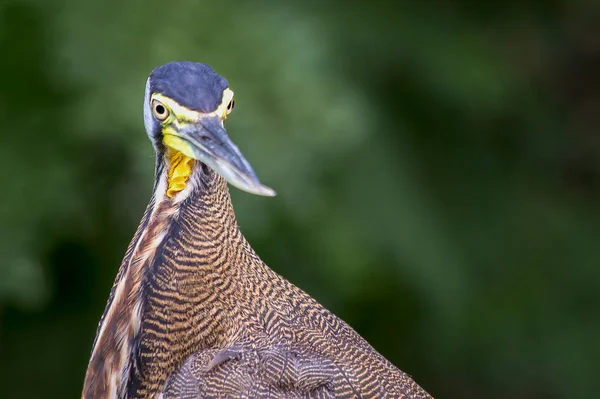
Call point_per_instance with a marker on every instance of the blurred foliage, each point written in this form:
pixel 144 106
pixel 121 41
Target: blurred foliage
pixel 437 164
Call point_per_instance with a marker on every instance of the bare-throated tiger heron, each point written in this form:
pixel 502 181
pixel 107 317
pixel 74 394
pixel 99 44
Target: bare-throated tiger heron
pixel 194 312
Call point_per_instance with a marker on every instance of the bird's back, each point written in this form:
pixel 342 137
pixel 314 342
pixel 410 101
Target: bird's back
pixel 301 350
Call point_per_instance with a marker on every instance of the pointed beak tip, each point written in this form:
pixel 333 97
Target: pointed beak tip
pixel 266 191
pixel 222 155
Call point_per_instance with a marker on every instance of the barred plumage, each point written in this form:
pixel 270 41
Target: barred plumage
pixel 194 313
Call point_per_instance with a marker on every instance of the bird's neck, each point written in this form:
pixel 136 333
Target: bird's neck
pixel 172 287
pixel 180 169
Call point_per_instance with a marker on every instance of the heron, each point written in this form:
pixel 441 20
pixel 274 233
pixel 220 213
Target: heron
pixel 194 312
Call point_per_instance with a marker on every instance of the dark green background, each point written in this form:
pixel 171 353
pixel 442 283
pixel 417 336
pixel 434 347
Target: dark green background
pixel 437 164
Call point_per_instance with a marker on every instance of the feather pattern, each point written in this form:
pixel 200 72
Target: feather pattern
pixel 216 322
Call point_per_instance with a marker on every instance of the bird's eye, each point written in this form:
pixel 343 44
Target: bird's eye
pixel 230 106
pixel 160 111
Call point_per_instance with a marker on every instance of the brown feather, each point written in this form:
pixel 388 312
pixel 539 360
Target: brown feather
pixel 216 322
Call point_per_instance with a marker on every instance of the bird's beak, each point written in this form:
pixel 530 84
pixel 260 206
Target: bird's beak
pixel 207 141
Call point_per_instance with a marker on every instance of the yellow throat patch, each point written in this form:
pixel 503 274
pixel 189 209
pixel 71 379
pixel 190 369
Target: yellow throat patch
pixel 180 170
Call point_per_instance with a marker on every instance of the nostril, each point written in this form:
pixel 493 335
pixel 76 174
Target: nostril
pixel 206 139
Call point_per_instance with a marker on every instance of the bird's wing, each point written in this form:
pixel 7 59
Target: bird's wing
pixel 241 371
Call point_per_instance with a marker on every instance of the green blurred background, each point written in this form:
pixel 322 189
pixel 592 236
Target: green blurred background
pixel 437 164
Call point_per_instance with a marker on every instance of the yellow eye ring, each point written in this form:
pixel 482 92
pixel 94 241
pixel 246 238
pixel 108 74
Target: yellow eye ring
pixel 159 110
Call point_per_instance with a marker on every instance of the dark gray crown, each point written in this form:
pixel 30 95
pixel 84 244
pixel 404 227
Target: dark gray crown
pixel 193 85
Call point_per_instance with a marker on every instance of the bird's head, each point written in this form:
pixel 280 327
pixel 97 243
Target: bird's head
pixel 185 106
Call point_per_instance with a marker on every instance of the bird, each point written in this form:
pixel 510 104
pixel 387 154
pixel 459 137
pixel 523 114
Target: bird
pixel 194 312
